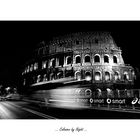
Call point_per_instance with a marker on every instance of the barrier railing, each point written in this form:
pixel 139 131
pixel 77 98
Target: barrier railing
pixel 128 99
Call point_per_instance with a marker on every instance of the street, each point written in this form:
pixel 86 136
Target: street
pixel 29 110
pixel 20 110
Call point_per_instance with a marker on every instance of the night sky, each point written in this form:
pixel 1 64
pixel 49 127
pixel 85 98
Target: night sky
pixel 19 38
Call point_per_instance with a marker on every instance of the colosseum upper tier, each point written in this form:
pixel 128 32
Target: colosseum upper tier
pixel 92 56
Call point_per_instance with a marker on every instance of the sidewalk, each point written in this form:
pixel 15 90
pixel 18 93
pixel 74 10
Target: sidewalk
pixel 130 109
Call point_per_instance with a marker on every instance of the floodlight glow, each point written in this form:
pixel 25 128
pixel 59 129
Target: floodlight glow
pixel 88 78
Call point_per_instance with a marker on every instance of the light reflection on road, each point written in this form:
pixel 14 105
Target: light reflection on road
pixel 20 110
pixel 5 111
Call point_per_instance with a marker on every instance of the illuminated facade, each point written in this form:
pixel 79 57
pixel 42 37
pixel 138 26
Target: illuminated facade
pixel 92 56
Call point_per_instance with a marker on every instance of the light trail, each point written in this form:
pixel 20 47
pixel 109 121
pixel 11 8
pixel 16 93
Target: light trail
pixel 34 112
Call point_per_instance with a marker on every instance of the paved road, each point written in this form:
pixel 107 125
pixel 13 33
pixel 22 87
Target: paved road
pixel 20 110
pixel 28 110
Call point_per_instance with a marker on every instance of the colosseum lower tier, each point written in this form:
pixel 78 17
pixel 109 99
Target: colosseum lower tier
pixel 90 56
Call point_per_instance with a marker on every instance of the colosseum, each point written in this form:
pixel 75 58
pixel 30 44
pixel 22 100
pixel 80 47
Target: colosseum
pixel 90 56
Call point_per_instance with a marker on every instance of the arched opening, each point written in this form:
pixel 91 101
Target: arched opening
pixel 35 66
pixel 69 60
pixel 133 72
pixel 61 61
pixel 31 67
pixel 126 76
pixel 45 77
pixel 60 75
pixel 38 78
pixel 96 59
pixel 98 93
pixel 28 68
pixel 52 76
pixel 78 59
pixel 87 58
pixel 133 75
pixel 53 63
pixel 115 59
pixel 88 76
pixel 77 42
pixel 107 76
pixel 97 76
pixel 78 75
pixel 116 76
pixel 106 59
pixel 109 92
pixel 44 64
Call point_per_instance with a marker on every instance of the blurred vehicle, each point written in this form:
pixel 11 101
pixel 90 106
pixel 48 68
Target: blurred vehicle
pixel 75 94
pixel 70 94
pixel 14 97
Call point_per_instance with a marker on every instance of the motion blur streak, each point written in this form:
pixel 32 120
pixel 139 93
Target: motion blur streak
pixel 67 98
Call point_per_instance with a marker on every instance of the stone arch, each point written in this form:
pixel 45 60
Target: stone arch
pixel 35 66
pixel 31 67
pixel 106 58
pixel 115 59
pixel 77 59
pixel 52 62
pixel 116 75
pixel 28 68
pixel 78 75
pixel 38 78
pixel 52 77
pixel 60 75
pixel 88 75
pixel 68 60
pixel 98 76
pixel 97 58
pixel 44 64
pixel 87 58
pixel 126 75
pixel 133 74
pixel 107 76
pixel 45 77
pixel 98 92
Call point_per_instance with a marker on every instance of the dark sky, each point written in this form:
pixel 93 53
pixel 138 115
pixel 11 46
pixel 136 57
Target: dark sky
pixel 19 38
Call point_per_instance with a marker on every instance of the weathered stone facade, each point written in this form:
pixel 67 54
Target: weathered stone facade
pixel 92 56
